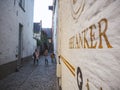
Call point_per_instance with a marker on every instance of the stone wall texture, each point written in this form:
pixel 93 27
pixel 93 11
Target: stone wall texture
pixel 89 38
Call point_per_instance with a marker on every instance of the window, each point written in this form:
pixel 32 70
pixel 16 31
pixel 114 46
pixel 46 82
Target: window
pixel 22 4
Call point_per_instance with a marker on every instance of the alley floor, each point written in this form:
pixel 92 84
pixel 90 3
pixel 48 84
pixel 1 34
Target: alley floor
pixel 32 77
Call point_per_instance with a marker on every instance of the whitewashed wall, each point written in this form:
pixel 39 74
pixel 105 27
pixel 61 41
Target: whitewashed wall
pixel 55 28
pixel 100 66
pixel 10 16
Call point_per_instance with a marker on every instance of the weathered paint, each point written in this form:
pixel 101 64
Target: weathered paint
pixel 11 15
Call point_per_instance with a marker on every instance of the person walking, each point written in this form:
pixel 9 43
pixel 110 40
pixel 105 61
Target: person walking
pixel 36 56
pixel 46 56
pixel 52 57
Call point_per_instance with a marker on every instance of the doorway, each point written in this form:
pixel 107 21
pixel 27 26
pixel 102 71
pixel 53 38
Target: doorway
pixel 20 45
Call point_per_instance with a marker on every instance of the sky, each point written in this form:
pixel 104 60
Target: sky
pixel 41 12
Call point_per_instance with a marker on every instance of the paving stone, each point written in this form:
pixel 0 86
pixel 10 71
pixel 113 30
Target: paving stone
pixel 32 77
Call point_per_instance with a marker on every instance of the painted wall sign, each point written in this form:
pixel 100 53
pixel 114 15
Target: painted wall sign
pixel 88 39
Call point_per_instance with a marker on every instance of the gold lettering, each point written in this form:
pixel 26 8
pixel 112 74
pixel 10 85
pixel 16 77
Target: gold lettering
pixel 86 45
pixel 92 36
pixel 101 88
pixel 80 40
pixel 71 42
pixel 73 46
pixel 87 85
pixel 77 44
pixel 103 33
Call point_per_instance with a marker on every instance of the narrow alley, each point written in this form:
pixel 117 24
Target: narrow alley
pixel 32 77
pixel 82 35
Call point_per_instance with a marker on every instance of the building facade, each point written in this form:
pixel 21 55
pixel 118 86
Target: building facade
pixel 16 34
pixel 37 30
pixel 87 37
pixel 48 41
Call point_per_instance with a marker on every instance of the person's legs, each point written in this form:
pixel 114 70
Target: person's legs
pixel 37 61
pixel 34 60
pixel 46 61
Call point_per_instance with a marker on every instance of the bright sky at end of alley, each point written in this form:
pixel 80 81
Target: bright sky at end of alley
pixel 41 12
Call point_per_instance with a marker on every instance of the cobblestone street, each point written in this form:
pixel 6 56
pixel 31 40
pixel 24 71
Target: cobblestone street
pixel 32 77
